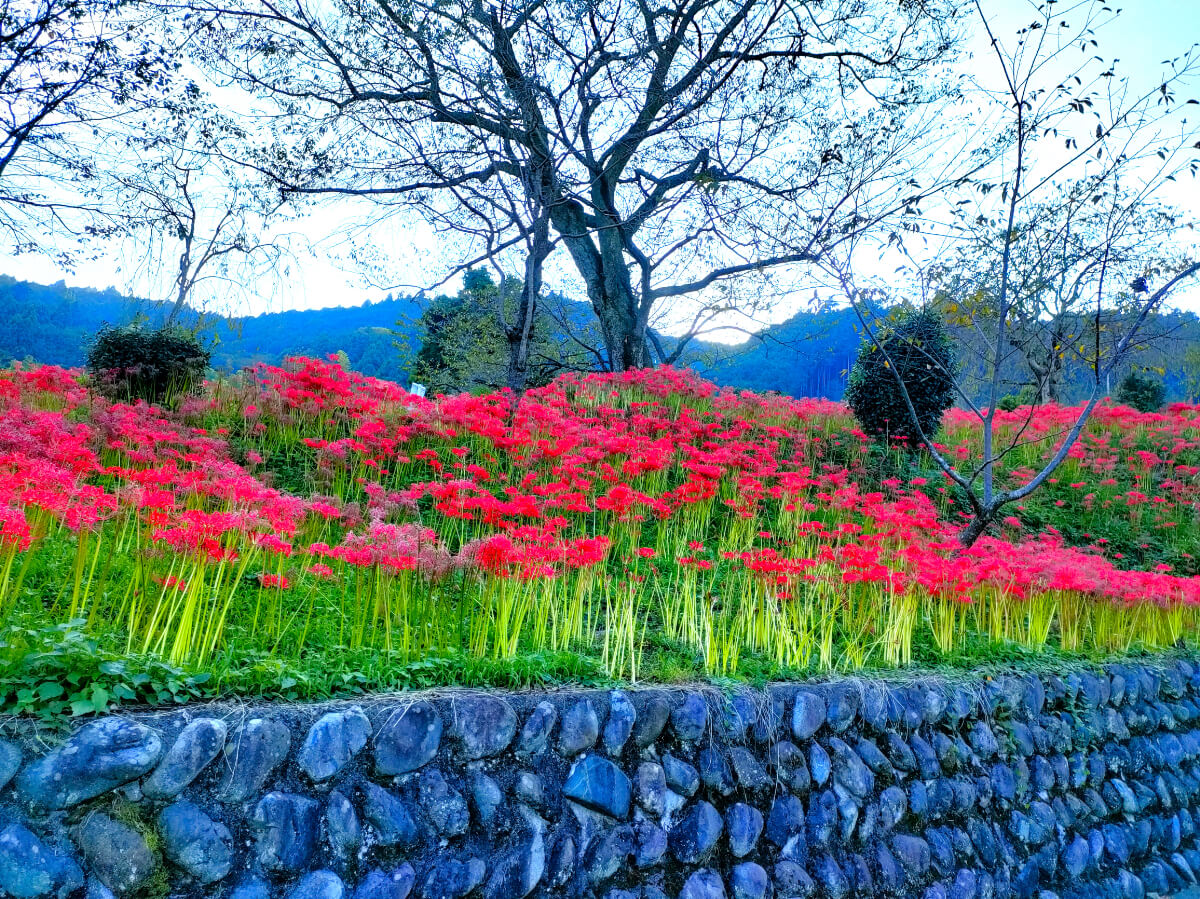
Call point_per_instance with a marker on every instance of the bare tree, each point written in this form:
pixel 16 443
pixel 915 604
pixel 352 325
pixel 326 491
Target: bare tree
pixel 672 147
pixel 1085 136
pixel 69 71
pixel 1061 249
pixel 199 227
pixel 512 221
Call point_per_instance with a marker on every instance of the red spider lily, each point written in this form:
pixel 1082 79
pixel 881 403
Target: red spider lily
pixel 555 491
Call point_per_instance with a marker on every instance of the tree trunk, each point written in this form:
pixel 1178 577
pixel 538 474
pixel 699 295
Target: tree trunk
pixel 177 306
pixel 602 264
pixel 1054 367
pixel 520 335
pixel 1046 393
pixel 181 295
pixel 611 296
pixel 518 343
pixel 1049 376
pixel 975 529
pixel 622 331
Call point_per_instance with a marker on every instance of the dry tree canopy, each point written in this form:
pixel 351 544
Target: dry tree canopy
pixel 668 148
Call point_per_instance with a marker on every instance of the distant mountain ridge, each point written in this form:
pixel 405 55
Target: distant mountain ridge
pixel 807 355
pixel 53 323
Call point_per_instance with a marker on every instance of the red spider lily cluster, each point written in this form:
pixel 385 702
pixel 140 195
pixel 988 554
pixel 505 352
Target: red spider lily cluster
pixel 305 502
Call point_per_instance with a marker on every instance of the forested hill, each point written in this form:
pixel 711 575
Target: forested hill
pixel 808 355
pixel 53 323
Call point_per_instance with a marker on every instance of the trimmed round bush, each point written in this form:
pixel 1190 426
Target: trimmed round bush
pixel 157 365
pixel 919 348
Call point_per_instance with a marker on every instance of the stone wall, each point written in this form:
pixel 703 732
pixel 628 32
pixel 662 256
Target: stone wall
pixel 1082 785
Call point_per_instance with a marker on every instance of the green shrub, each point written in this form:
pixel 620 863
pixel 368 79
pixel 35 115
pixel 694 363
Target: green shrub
pixel 919 347
pixel 1142 392
pixel 1026 396
pixel 157 365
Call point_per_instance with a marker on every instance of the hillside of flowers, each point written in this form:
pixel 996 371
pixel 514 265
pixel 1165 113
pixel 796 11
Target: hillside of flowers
pixel 308 515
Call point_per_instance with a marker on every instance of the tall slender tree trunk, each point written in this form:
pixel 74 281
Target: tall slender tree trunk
pixel 183 283
pixel 602 264
pixel 626 344
pixel 520 335
pixel 519 338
